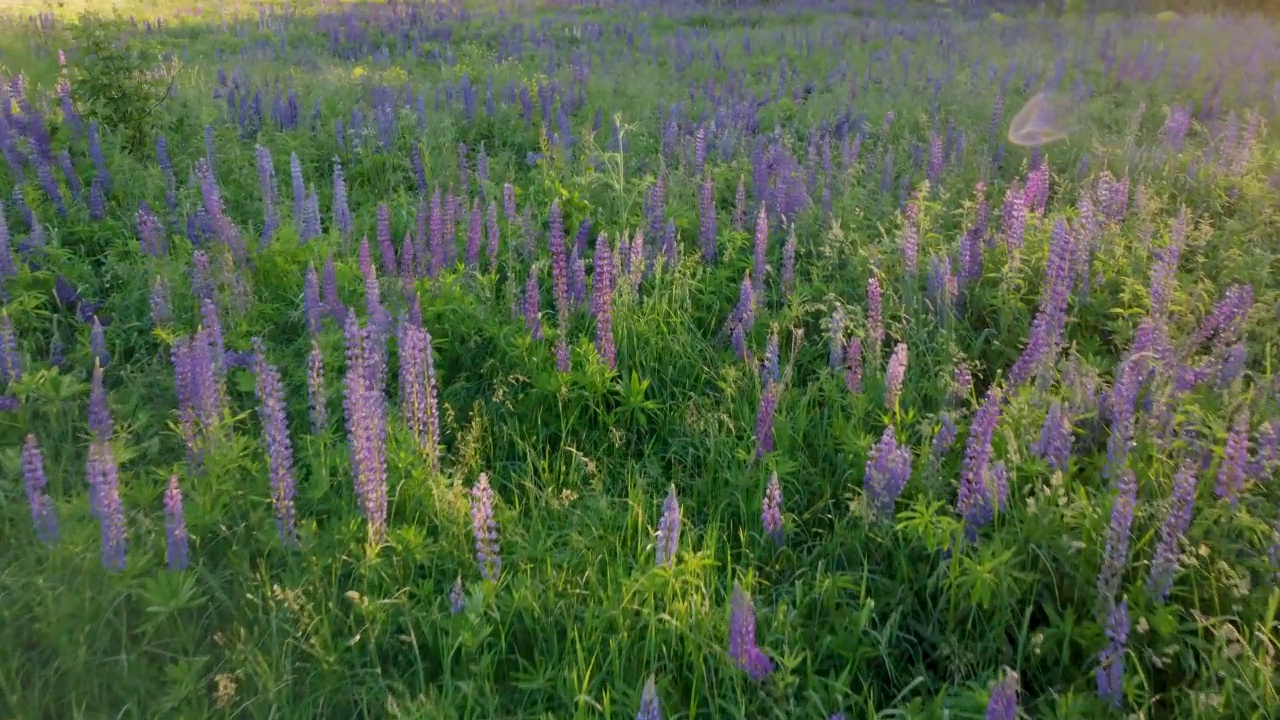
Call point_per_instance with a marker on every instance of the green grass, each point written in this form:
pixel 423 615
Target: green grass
pixel 875 618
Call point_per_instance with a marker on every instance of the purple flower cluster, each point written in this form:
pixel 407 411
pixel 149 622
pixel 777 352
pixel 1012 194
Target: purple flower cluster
pixel 1054 443
pixel 979 496
pixel 1116 556
pixel 1234 467
pixel 743 651
pixel 365 408
pixel 602 292
pixel 484 526
pixel 1051 318
pixel 43 513
pixel 888 469
pixel 104 502
pixel 1003 702
pixel 668 538
pixel 275 430
pixel 895 375
pixel 177 553
pixel 853 366
pixel 1110 674
pixel 1164 566
pixel 649 708
pixel 771 510
pixel 418 389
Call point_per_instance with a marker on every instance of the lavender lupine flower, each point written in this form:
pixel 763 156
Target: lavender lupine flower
pixel 977 501
pixel 853 366
pixel 175 527
pixel 382 235
pixel 1110 674
pixel 341 213
pixel 1013 221
pixel 267 187
pixel 707 220
pixel 311 299
pixel 771 510
pixel 761 252
pixel 649 708
pixel 329 287
pixel 743 651
pixel 509 203
pixel 1054 443
pixel 888 469
pixel 765 415
pixel 10 360
pixel 7 266
pixel 494 237
pixel 150 232
pixel 418 389
pixel 559 260
pixel 577 278
pixel 835 359
pixel 740 207
pixel 743 317
pixel 1003 702
pixel 366 425
pixel 602 301
pixel 895 375
pixel 104 502
pixel 668 538
pixel 564 362
pixel 103 176
pixel 909 241
pixel 475 235
pixel 436 241
pixel 99 417
pixel 1116 555
pixel 275 429
pixel 98 343
pixel 789 263
pixel 1266 453
pixel 1233 469
pixel 485 528
pixel 943 438
pixel 299 189
pixel 43 513
pixel 315 389
pixel 457 600
pixel 875 316
pixel 1164 566
pixel 529 307
pixel 1051 318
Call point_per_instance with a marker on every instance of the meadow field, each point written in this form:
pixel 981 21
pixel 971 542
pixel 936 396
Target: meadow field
pixel 638 359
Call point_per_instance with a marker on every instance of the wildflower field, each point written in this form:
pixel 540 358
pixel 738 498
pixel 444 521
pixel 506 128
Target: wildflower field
pixel 638 359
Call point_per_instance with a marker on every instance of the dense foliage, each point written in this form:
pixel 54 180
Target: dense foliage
pixel 406 360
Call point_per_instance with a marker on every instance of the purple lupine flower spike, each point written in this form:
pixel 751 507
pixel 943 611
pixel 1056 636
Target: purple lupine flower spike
pixel 1233 469
pixel 1003 702
pixel 895 375
pixel 366 426
pixel 457 599
pixel 975 502
pixel 341 213
pixel 1054 443
pixel 853 366
pixel 485 528
pixel 10 360
pixel 175 526
pixel 888 469
pixel 765 416
pixel 743 651
pixel 649 709
pixel 43 513
pixel 1164 566
pixel 315 389
pixel 559 261
pixel 771 512
pixel 875 318
pixel 98 343
pixel 668 538
pixel 761 252
pixel 532 318
pixel 104 501
pixel 603 285
pixel 99 416
pixel 1110 674
pixel 1116 556
pixel 275 428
